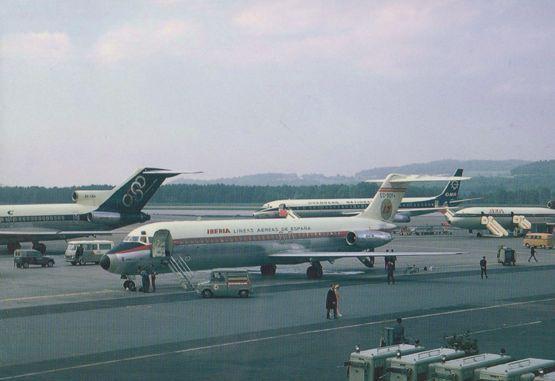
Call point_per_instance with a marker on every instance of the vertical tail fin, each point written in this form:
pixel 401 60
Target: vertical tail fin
pixel 451 191
pixel 387 199
pixel 386 202
pixel 135 192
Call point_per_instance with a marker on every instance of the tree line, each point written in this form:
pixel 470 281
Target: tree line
pixel 490 190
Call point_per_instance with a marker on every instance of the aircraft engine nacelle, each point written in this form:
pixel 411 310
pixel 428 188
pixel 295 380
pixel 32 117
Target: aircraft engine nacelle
pixel 107 218
pixel 367 238
pixel 89 197
pixel 400 217
pixel 551 204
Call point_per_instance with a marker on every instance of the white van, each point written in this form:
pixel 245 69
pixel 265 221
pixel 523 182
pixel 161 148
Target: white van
pixel 91 251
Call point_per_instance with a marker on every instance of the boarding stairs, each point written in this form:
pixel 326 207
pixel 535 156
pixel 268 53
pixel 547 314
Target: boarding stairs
pixel 182 271
pixel 522 222
pixel 493 226
pixel 448 213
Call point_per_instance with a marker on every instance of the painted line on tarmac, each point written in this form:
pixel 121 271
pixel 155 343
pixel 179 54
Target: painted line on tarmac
pixel 501 328
pixel 268 338
pixel 57 295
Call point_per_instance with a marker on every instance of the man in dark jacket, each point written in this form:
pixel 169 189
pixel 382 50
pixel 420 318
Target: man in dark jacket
pixel 532 253
pixel 390 272
pixel 483 268
pixel 399 332
pixel 331 302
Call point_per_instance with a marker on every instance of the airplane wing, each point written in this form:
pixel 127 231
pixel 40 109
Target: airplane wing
pixel 325 255
pixel 464 200
pixel 47 235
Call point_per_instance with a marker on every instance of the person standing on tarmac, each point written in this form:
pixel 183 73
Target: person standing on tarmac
pixel 336 289
pixel 483 268
pixel 145 280
pixel 390 272
pixel 399 332
pixel 331 302
pixel 153 280
pixel 532 253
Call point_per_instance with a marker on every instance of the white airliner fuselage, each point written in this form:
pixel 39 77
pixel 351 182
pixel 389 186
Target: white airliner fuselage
pixel 266 242
pixel 471 218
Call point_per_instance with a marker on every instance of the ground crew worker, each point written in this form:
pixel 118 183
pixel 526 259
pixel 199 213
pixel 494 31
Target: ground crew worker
pixel 399 332
pixel 390 272
pixel 153 280
pixel 483 268
pixel 78 253
pixel 532 253
pixel 331 302
pixel 145 280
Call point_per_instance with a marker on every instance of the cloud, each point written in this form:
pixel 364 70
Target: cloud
pixel 136 41
pixel 385 38
pixel 36 46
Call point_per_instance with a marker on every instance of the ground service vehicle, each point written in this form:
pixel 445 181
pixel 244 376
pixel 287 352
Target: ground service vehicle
pixel 370 365
pixel 520 370
pixel 541 240
pixel 465 369
pixel 226 283
pixel 506 256
pixel 22 258
pixel 415 367
pixel 92 251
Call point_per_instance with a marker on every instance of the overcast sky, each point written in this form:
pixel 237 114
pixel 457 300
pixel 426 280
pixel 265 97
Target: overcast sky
pixel 91 90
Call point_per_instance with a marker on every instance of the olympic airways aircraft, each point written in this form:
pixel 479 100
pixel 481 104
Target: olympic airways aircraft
pixel 265 242
pixel 410 206
pixel 500 220
pixel 93 212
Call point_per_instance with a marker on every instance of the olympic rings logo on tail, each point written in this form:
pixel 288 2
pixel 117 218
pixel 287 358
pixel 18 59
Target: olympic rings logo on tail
pixel 135 193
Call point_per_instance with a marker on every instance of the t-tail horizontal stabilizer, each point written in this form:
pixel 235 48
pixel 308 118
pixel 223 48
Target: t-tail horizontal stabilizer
pixel 386 202
pixel 134 193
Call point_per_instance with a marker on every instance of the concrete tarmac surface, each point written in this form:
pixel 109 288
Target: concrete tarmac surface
pixel 71 322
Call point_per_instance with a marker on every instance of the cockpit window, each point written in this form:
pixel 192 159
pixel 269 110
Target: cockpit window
pixel 133 238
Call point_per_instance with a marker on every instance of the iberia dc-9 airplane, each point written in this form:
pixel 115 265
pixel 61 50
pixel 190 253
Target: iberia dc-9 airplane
pixel 266 242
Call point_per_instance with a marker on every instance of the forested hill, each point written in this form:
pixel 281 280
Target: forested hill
pixel 525 184
pixel 521 190
pixel 540 168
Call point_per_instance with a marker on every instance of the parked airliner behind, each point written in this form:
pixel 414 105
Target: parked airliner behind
pixel 502 221
pixel 93 212
pixel 267 242
pixel 337 207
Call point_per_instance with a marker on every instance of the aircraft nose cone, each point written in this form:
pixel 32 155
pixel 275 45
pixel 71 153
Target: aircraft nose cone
pixel 105 262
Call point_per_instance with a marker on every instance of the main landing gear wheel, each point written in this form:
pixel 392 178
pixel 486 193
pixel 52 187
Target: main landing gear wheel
pixel 314 271
pixel 268 269
pixel 206 293
pixel 129 285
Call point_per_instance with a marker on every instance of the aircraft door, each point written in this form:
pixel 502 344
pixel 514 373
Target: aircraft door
pixel 162 244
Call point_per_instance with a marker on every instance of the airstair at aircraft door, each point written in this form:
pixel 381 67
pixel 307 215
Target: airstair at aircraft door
pixel 522 222
pixel 448 214
pixel 493 226
pixel 182 271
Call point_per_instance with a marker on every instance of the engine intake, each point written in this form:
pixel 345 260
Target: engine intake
pixel 89 197
pixel 367 238
pixel 109 218
pixel 400 217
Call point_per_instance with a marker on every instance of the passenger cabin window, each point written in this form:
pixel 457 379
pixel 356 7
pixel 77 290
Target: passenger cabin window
pixel 143 239
pixel 105 246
